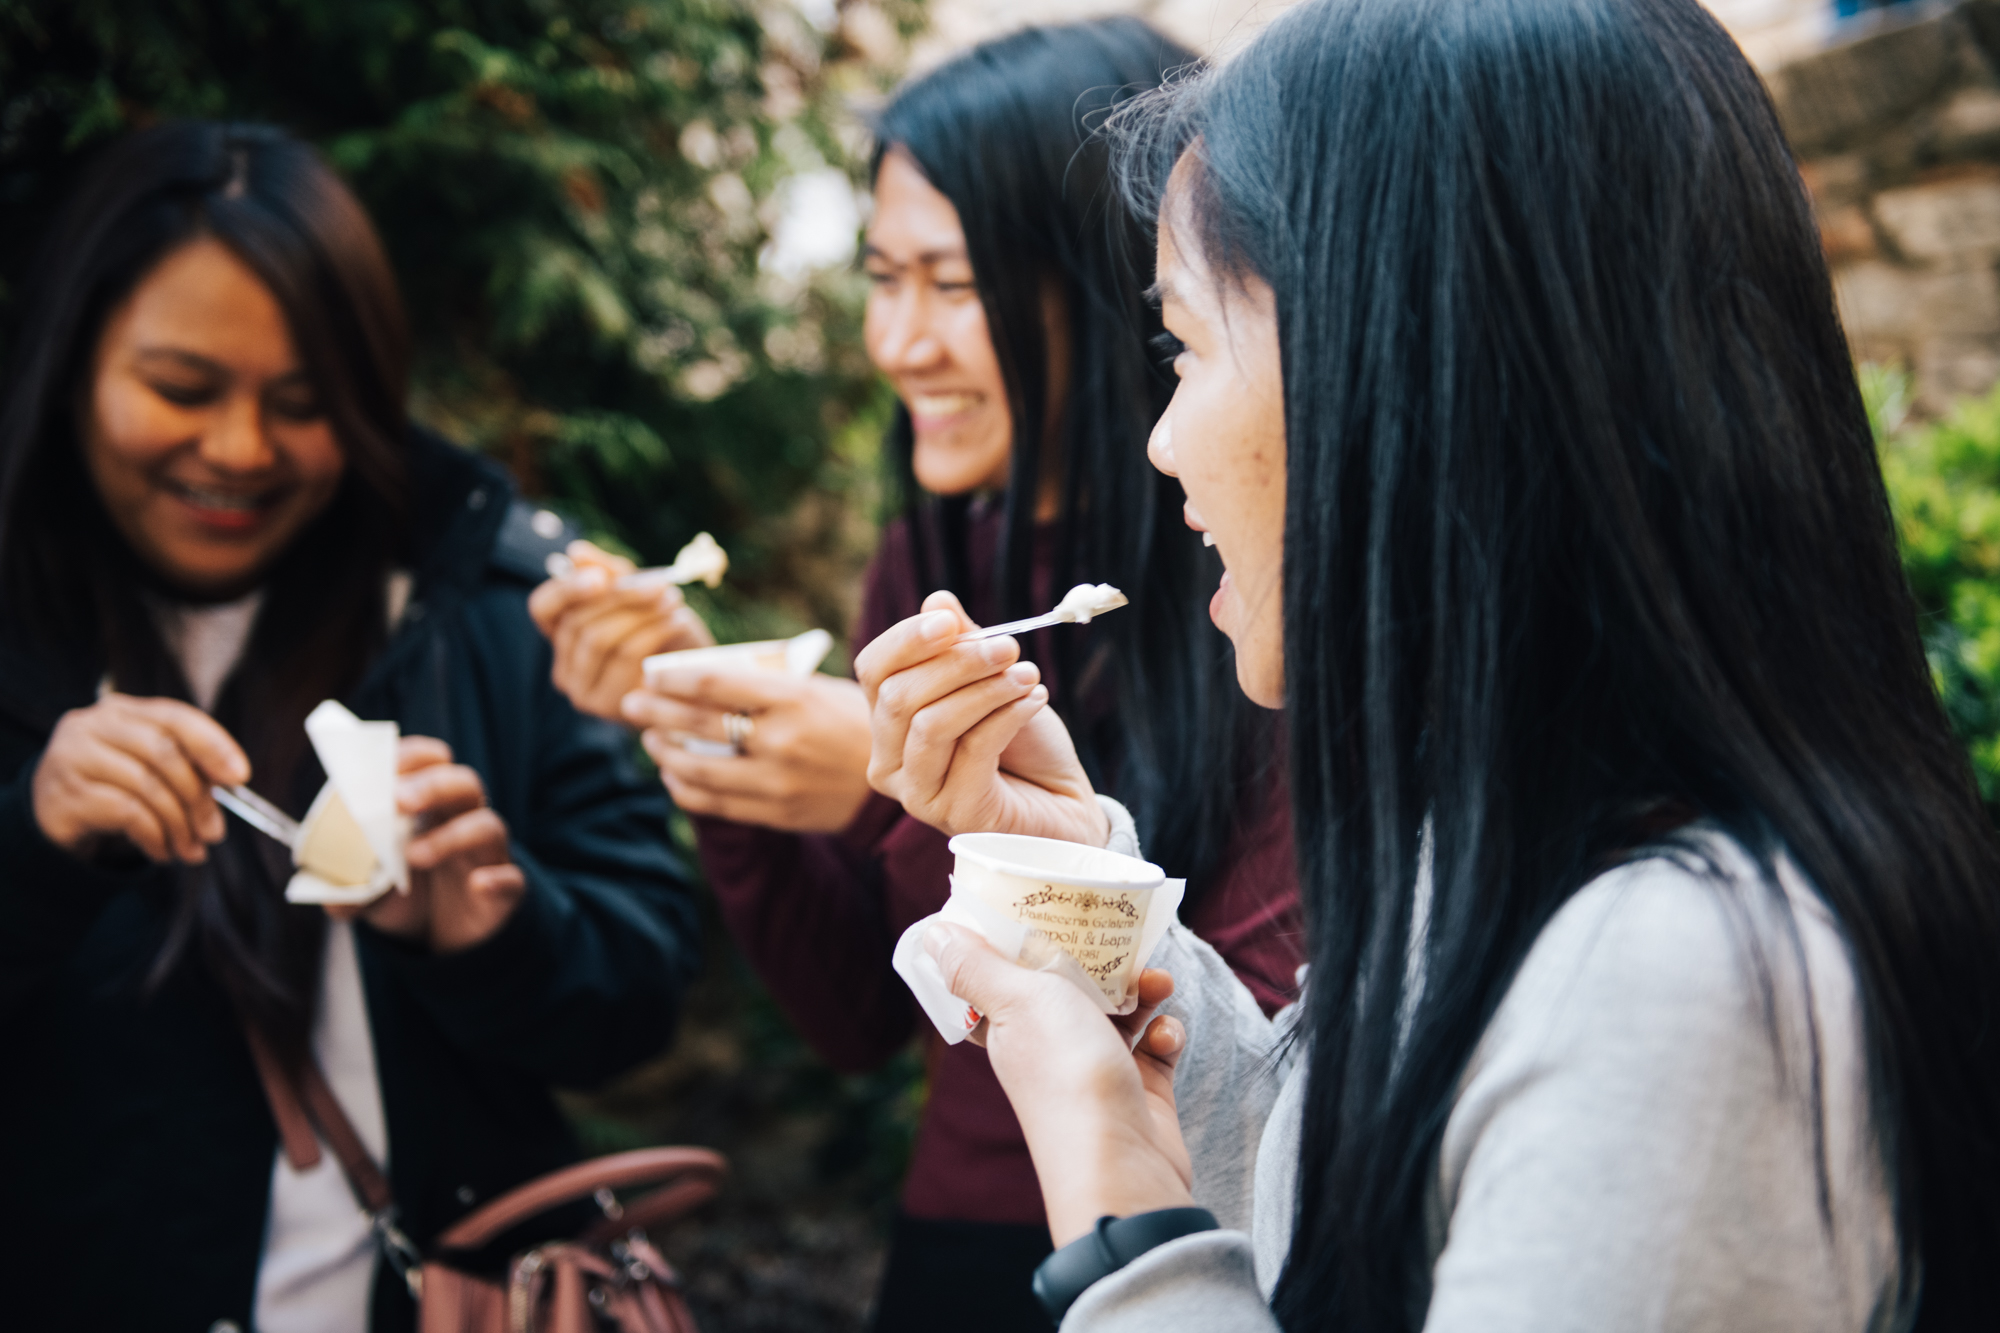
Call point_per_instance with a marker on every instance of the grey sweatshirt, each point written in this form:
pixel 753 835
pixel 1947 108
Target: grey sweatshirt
pixel 1630 1148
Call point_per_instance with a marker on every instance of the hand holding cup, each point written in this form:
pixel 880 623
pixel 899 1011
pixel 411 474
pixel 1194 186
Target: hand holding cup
pixel 463 880
pixel 962 735
pixel 1098 1111
pixel 602 633
pixel 802 768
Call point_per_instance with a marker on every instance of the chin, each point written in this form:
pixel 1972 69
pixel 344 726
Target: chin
pixel 1263 683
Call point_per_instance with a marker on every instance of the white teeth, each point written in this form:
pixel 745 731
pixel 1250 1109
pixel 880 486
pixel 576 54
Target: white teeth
pixel 1208 539
pixel 235 504
pixel 941 404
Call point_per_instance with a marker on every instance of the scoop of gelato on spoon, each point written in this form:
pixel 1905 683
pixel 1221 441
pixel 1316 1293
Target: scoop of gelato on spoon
pixel 1086 600
pixel 1078 606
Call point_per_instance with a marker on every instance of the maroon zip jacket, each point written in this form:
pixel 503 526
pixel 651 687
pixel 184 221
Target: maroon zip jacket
pixel 818 916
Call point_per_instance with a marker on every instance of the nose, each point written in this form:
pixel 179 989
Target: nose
pixel 1160 444
pixel 901 336
pixel 236 440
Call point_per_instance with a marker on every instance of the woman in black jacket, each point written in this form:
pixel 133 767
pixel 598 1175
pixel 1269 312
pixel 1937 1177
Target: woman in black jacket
pixel 214 514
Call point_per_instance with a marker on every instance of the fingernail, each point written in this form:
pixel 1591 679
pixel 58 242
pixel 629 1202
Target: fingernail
pixel 935 939
pixel 937 624
pixel 1166 1036
pixel 999 649
pixel 1040 694
pixel 1023 673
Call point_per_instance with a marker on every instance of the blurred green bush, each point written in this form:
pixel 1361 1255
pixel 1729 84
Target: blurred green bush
pixel 575 194
pixel 1944 486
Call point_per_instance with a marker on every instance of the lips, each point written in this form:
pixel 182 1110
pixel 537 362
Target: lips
pixel 219 507
pixel 936 408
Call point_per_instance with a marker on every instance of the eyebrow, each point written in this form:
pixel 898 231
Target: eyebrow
pixel 872 251
pixel 193 360
pixel 208 365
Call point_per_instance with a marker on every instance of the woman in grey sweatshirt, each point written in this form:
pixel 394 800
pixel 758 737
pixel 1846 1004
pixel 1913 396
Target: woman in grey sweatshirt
pixel 1652 913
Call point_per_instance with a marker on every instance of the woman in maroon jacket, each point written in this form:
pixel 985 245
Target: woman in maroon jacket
pixel 1008 310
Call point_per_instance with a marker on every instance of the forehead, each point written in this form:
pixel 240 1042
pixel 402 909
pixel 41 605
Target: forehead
pixel 202 298
pixel 912 216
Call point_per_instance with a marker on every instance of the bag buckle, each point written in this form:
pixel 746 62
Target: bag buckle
pixel 397 1248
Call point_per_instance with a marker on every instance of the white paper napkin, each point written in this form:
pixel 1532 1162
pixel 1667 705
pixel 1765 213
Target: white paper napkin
pixel 360 762
pixel 955 1019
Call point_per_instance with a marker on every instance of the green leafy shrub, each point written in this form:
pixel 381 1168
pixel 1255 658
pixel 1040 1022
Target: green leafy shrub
pixel 575 194
pixel 1944 486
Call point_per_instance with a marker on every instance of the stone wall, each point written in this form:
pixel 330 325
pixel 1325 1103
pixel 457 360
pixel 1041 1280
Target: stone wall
pixel 1898 136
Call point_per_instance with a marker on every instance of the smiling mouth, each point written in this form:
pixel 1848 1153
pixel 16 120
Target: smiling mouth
pixel 240 506
pixel 941 406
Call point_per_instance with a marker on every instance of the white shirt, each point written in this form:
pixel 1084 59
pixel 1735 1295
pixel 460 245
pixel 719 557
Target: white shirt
pixel 318 1265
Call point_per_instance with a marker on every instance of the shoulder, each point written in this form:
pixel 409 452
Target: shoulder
pixel 1678 1069
pixel 528 535
pixel 1693 930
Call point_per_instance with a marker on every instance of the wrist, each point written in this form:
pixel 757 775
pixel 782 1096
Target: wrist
pixel 1110 1244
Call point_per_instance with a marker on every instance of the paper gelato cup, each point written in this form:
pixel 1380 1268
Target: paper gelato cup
pixel 799 655
pixel 1088 902
pixel 350 847
pixel 1087 915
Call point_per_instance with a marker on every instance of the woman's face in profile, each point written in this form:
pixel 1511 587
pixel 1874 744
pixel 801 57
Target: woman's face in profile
pixel 926 330
pixel 203 435
pixel 1223 436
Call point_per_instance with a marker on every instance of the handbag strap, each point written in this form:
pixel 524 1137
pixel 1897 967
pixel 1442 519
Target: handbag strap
pixel 302 1103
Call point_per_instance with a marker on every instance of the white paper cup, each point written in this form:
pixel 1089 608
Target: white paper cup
pixel 1090 903
pixel 799 655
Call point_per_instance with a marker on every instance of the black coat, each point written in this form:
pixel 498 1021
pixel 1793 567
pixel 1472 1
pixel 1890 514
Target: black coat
pixel 135 1143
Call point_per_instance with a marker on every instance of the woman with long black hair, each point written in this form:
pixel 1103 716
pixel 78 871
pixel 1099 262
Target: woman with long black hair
pixel 214 514
pixel 1651 908
pixel 1008 312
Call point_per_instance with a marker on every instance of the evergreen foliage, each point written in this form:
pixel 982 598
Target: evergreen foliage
pixel 575 194
pixel 1944 485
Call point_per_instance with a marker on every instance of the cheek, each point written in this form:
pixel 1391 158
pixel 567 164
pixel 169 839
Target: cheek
pixel 970 347
pixel 134 427
pixel 314 454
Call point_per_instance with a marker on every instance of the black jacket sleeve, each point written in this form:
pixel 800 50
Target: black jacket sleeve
pixel 584 980
pixel 48 898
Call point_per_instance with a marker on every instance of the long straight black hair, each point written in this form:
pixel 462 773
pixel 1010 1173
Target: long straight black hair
pixel 1584 528
pixel 74 589
pixel 1004 131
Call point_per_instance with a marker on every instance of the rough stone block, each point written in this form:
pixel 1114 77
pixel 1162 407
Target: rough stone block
pixel 1968 124
pixel 1881 300
pixel 1846 234
pixel 1945 219
pixel 1950 368
pixel 1829 100
pixel 1836 180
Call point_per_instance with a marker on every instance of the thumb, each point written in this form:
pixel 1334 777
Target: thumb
pixel 972 970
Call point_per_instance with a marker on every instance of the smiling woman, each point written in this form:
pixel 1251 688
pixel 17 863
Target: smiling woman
pixel 204 434
pixel 215 514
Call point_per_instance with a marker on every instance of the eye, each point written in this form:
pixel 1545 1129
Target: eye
pixel 1167 348
pixel 183 394
pixel 880 279
pixel 295 404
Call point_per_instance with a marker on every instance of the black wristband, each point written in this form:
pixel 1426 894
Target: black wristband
pixel 1108 1247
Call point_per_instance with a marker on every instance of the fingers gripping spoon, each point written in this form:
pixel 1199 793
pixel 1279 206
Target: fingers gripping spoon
pixel 1082 603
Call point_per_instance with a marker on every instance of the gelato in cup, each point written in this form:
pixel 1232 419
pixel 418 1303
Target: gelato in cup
pixel 1088 915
